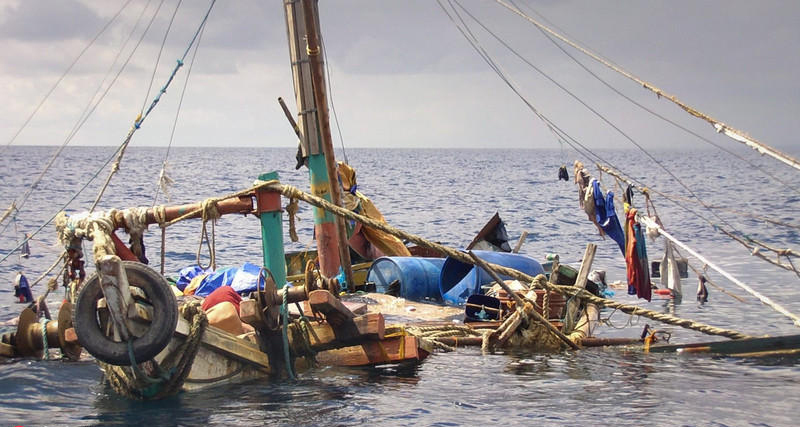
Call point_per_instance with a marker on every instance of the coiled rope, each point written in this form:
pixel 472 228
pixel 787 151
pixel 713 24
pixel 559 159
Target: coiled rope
pixel 174 368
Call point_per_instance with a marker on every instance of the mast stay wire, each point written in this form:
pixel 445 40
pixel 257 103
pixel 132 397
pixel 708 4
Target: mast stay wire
pixel 64 75
pixel 160 50
pixel 473 41
pixel 163 178
pixel 119 148
pixel 330 98
pixel 719 126
pixel 596 113
pixel 142 116
pixel 484 55
pixel 652 112
pixel 559 133
pixel 87 111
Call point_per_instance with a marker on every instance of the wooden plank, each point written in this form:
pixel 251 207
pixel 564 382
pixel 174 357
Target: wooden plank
pixel 368 327
pixel 391 350
pixel 574 304
pixel 229 344
pixel 326 303
pixel 249 312
pixel 520 242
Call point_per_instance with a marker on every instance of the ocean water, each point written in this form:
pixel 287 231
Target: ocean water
pixel 445 196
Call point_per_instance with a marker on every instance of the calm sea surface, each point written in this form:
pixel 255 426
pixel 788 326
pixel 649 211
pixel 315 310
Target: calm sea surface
pixel 446 196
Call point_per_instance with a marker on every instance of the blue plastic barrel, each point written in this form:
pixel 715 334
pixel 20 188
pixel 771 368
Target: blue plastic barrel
pixel 419 277
pixel 459 280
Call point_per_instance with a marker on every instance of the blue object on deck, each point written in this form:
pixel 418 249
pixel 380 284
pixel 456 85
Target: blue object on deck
pixel 459 280
pixel 419 277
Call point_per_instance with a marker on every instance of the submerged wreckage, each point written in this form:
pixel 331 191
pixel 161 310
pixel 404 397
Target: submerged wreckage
pixel 154 336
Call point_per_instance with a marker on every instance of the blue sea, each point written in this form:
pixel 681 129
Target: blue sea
pixel 445 196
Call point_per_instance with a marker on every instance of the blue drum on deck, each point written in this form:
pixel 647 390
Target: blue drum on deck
pixel 459 280
pixel 418 277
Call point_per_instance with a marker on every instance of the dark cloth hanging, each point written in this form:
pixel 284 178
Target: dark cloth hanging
pixel 636 258
pixel 627 196
pixel 562 173
pixel 702 291
pixel 25 250
pixel 606 215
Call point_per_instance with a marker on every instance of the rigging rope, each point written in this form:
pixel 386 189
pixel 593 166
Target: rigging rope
pixel 597 113
pixel 720 127
pixel 746 241
pixel 648 222
pixel 141 117
pixel 160 50
pixel 559 133
pixel 164 181
pixel 290 192
pixel 330 99
pixel 64 74
pixel 88 109
pixel 654 113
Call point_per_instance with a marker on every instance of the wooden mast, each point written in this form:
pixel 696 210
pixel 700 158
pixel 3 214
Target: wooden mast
pixel 301 19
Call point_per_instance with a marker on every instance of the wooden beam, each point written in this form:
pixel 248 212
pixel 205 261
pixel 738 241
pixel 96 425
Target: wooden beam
pixel 355 331
pixel 326 303
pixel 574 304
pixel 392 350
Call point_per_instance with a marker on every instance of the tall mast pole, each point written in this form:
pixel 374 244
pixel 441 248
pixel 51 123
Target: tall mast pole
pixel 308 72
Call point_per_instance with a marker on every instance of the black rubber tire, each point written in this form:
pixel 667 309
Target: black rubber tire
pixel 158 335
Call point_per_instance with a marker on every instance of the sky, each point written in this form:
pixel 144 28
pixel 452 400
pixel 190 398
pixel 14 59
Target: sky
pixel 402 74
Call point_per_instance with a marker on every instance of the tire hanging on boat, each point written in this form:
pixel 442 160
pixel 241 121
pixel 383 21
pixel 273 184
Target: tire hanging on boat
pixel 145 347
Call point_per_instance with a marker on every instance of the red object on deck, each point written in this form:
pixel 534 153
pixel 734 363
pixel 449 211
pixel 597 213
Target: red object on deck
pixel 222 294
pixel 666 292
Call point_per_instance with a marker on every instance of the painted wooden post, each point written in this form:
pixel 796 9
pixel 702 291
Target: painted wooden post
pixel 268 207
pixel 313 49
pixel 308 121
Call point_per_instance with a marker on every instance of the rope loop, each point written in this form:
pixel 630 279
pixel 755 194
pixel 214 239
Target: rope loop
pixel 46 349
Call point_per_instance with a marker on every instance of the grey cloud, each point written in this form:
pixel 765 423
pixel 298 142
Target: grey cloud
pixel 51 20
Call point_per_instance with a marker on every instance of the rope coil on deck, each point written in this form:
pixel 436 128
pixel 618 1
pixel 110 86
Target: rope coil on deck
pixel 175 367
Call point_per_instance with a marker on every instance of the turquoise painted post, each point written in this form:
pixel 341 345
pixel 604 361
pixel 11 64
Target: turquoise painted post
pixel 268 206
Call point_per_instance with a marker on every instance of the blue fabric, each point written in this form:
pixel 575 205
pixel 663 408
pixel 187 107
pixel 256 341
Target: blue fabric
pixel 242 279
pixel 188 273
pixel 223 276
pixel 246 278
pixel 599 202
pixel 611 226
pixel 606 215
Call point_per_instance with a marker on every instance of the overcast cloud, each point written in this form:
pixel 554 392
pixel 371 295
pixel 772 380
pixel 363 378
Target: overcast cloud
pixel 403 75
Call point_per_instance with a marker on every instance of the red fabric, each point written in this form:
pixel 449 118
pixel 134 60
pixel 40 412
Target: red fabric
pixel 638 276
pixel 222 294
pixel 122 251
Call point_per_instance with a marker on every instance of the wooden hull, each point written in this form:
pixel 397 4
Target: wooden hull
pixel 221 359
